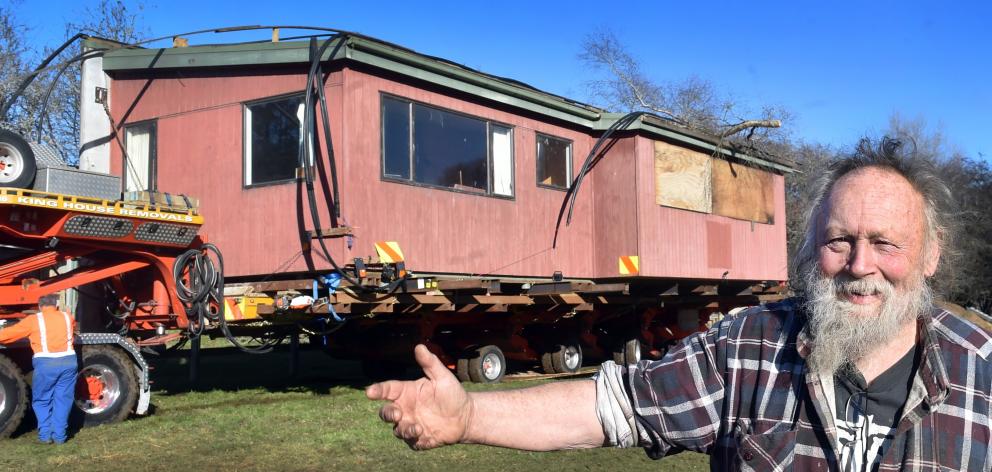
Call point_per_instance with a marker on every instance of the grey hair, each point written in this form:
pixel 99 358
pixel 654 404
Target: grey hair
pixel 939 207
pixel 51 299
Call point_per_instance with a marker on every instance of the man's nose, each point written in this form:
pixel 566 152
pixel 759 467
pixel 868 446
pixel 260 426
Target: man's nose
pixel 861 261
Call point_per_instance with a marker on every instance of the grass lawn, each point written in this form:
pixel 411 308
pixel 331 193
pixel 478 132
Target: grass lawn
pixel 247 414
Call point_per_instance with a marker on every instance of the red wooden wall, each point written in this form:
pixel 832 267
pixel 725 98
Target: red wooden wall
pixel 200 153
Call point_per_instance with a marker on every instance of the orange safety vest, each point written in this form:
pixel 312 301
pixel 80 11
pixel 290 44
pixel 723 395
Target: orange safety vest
pixel 49 331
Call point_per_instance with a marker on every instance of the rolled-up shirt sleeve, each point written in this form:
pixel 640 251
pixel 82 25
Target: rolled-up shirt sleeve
pixel 667 405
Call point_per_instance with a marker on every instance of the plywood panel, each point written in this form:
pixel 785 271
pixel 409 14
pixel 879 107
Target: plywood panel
pixel 742 192
pixel 680 243
pixel 682 178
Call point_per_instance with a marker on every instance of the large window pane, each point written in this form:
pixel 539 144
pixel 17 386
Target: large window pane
pixel 450 150
pixel 395 138
pixel 439 148
pixel 554 161
pixel 273 145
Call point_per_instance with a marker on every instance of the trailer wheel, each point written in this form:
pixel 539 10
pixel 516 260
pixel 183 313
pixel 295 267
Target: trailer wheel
pixel 488 366
pixel 13 396
pixel 547 364
pixel 461 370
pixel 567 359
pixel 107 387
pixel 17 164
pixel 628 353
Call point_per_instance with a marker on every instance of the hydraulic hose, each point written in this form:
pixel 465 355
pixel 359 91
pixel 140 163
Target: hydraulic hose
pixel 315 82
pixel 26 81
pixel 204 293
pixel 570 197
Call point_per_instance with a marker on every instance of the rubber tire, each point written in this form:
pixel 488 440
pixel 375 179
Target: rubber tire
pixel 558 358
pixel 461 370
pixel 476 366
pixel 15 391
pixel 547 363
pixel 631 352
pixel 379 370
pixel 120 364
pixel 25 178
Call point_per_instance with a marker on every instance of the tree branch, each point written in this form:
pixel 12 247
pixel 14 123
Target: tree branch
pixel 750 124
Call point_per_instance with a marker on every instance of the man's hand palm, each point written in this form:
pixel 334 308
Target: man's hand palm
pixel 427 413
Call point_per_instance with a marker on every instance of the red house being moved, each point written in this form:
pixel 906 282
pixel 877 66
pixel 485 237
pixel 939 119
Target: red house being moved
pixel 466 171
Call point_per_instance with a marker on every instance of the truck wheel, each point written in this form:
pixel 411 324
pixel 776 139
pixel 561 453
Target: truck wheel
pixel 13 396
pixel 461 370
pixel 488 366
pixel 628 353
pixel 547 364
pixel 107 387
pixel 17 164
pixel 567 359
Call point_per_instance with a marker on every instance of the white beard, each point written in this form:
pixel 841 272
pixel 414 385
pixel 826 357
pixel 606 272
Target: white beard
pixel 843 332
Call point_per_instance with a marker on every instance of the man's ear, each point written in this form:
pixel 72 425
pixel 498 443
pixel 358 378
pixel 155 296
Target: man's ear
pixel 931 259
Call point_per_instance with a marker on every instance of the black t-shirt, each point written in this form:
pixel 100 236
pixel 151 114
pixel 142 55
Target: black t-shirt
pixel 867 415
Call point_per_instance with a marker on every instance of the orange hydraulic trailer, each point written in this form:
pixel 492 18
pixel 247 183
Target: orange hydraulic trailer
pixel 123 254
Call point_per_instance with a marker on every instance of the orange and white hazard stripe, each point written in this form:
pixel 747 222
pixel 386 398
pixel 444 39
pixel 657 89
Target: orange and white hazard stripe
pixel 232 312
pixel 629 265
pixel 389 252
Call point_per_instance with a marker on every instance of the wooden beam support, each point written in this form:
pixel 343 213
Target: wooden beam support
pixel 338 232
pixel 489 286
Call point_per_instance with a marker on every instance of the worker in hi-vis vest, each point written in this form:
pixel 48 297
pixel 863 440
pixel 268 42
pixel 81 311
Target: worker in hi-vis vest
pixel 55 370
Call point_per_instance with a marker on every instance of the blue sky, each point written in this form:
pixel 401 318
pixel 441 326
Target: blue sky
pixel 843 68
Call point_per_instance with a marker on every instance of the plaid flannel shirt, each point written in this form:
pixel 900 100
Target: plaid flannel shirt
pixel 740 392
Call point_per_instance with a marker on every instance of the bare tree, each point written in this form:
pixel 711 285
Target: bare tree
pixel 49 109
pixel 692 102
pixel 970 259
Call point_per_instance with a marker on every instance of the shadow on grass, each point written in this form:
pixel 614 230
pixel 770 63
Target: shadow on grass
pixel 229 369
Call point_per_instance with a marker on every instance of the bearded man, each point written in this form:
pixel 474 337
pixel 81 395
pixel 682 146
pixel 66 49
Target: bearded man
pixel 859 372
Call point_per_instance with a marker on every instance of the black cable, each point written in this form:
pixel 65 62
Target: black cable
pixel 325 120
pixel 620 124
pixel 30 77
pixel 309 128
pixel 42 112
pixel 205 292
pixel 573 191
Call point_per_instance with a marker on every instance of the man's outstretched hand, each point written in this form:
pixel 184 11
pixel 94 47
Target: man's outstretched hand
pixel 429 412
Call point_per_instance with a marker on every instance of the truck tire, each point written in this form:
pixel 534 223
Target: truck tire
pixel 13 396
pixel 567 359
pixel 488 365
pixel 461 370
pixel 17 163
pixel 547 364
pixel 628 353
pixel 107 387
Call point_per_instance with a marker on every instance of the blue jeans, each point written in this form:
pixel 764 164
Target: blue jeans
pixel 53 391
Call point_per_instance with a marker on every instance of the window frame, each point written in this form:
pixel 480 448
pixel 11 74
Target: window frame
pixel 568 164
pixel 152 184
pixel 489 191
pixel 246 139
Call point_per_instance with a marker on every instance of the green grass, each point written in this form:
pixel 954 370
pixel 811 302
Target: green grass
pixel 247 414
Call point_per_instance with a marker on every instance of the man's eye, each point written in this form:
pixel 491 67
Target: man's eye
pixel 885 245
pixel 837 243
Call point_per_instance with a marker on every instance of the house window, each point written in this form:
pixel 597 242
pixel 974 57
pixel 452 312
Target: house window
pixel 554 162
pixel 140 141
pixel 273 136
pixel 439 148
